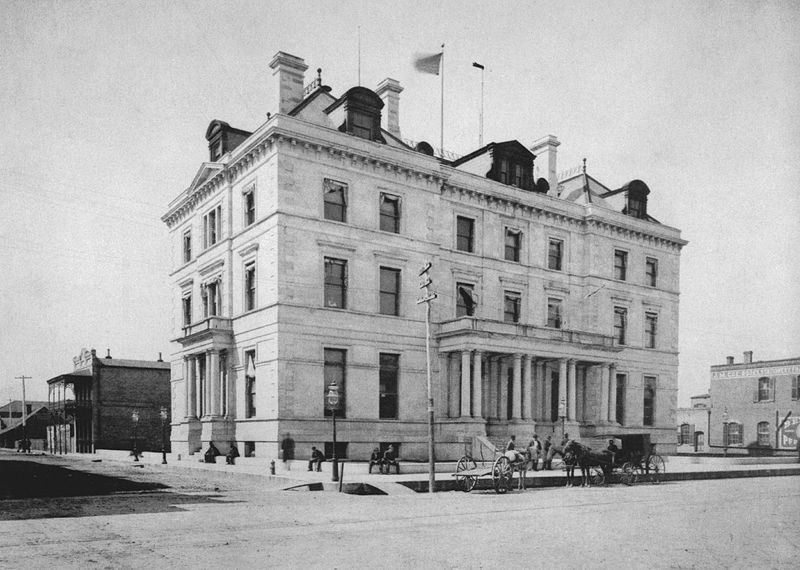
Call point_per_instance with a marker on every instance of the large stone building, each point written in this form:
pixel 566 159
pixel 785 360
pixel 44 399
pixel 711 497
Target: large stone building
pixel 296 253
pixel 107 403
pixel 755 405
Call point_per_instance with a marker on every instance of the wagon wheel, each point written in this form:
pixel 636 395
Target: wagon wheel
pixel 597 477
pixel 655 468
pixel 502 474
pixel 628 473
pixel 466 482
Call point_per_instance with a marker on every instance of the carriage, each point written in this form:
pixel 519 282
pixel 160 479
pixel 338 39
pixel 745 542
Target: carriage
pixel 635 462
pixel 500 467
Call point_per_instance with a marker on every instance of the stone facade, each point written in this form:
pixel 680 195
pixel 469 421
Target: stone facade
pixel 296 258
pixel 755 405
pixel 694 425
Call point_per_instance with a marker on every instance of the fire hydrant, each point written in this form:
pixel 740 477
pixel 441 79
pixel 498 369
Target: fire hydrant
pixel 272 467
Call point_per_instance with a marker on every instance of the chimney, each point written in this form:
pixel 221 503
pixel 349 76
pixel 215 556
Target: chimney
pixel 545 165
pixel 389 91
pixel 108 353
pixel 159 358
pixel 288 84
pixel 729 359
pixel 748 356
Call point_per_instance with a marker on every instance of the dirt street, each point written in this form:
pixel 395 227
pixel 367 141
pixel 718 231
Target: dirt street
pixel 196 519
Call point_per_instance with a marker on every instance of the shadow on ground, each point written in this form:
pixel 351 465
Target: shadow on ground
pixel 32 490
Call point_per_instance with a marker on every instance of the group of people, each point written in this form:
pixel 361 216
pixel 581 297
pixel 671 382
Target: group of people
pixel 24 446
pixel 535 451
pixel 384 460
pixel 211 454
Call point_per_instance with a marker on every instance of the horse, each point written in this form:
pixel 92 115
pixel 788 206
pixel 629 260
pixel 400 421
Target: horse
pixel 587 459
pixel 567 455
pixel 519 462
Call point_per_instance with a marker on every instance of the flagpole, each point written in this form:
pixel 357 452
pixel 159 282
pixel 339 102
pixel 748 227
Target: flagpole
pixel 441 113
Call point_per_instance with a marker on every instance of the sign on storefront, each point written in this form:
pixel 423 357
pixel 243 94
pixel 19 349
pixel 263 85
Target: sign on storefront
pixel 789 433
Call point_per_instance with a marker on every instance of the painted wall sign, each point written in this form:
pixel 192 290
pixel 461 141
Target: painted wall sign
pixel 789 433
pixel 756 372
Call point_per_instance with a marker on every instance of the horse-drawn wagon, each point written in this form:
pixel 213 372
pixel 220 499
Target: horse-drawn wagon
pixel 501 467
pixel 634 462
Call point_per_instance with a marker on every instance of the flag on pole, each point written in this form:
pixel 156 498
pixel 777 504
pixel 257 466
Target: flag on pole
pixel 428 63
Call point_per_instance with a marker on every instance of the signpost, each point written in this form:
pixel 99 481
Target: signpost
pixel 332 399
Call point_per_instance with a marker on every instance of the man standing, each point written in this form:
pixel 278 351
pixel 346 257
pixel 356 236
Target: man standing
pixel 511 443
pixel 287 450
pixel 535 451
pixel 548 460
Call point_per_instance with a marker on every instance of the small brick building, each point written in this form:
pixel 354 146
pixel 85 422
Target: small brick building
pixel 105 402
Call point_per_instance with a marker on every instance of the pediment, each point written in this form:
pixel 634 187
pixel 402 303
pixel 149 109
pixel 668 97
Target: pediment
pixel 206 171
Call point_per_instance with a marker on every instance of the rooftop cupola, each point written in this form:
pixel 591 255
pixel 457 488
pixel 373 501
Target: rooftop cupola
pixel 358 113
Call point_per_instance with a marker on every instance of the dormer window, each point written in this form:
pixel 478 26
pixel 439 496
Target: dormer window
pixel 511 163
pixel 223 138
pixel 358 113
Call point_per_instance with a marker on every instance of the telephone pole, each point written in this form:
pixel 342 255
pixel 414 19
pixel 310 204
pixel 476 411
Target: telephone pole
pixel 24 411
pixel 425 283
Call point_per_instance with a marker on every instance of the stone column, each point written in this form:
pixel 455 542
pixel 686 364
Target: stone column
pixel 494 387
pixel 502 378
pixel 562 385
pixel 539 382
pixel 526 387
pixel 516 392
pixel 453 386
pixel 442 386
pixel 477 387
pixel 612 393
pixel 214 380
pixel 190 378
pixel 466 356
pixel 571 391
pixel 603 392
pixel 202 384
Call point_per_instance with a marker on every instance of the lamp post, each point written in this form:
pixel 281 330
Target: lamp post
pixel 163 440
pixel 333 404
pixel 562 413
pixel 135 418
pixel 725 432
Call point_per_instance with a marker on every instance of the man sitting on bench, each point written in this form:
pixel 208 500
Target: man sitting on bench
pixel 389 459
pixel 376 459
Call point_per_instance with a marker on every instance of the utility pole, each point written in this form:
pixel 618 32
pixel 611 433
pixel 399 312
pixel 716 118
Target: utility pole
pixel 480 136
pixel 425 283
pixel 24 412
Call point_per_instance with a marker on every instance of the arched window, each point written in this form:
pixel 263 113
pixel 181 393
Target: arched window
pixel 763 434
pixel 686 435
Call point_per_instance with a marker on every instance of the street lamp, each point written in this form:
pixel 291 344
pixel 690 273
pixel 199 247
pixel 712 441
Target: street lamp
pixel 135 418
pixel 332 398
pixel 163 440
pixel 725 431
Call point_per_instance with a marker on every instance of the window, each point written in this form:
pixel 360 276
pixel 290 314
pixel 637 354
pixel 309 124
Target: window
pixel 212 298
pixel 249 199
pixel 187 246
pixel 513 244
pixel 186 302
pixel 685 435
pixel 620 264
pixel 795 381
pixel 504 170
pixel 517 180
pixel 649 401
pixel 249 448
pixel 620 324
pixel 511 307
pixel 650 327
pixel 250 384
pixel 335 283
pixel 732 433
pixel 212 229
pixel 651 272
pixel 554 313
pixel 250 286
pixel 620 411
pixel 465 300
pixel 635 206
pixel 763 434
pixel 335 363
pixel 465 234
pixel 341 449
pixel 361 124
pixel 765 389
pixel 389 370
pixel 390 213
pixel 555 254
pixel 390 291
pixel 335 198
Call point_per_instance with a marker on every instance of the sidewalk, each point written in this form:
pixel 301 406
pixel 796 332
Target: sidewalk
pixel 414 476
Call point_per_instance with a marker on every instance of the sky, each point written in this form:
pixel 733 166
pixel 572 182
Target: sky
pixel 104 107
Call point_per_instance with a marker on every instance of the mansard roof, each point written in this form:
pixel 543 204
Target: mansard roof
pixel 511 147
